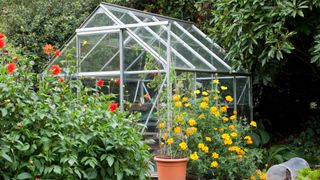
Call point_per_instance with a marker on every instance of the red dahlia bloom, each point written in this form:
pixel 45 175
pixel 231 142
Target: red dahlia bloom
pixel 55 70
pixel 11 67
pixel 57 53
pixel 48 49
pixel 2 43
pixel 100 83
pixel 117 81
pixel 113 107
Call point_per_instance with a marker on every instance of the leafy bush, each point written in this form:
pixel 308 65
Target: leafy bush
pixel 59 129
pixel 308 174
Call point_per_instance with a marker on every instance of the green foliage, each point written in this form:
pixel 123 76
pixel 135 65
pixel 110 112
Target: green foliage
pixel 308 174
pixel 31 24
pixel 64 130
pixel 258 34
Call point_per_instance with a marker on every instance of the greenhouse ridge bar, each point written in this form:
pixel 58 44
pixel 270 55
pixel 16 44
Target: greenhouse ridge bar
pixel 138 48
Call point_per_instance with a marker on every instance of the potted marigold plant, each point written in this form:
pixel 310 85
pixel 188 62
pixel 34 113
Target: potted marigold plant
pixel 205 130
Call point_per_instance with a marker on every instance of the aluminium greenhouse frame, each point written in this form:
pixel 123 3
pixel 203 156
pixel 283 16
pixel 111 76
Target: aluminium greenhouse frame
pixel 213 63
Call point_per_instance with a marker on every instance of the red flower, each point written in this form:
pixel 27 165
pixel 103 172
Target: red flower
pixel 2 43
pixel 147 97
pixel 100 83
pixel 61 80
pixel 113 107
pixel 57 53
pixel 2 36
pixel 117 81
pixel 48 49
pixel 55 70
pixel 11 67
pixel 14 58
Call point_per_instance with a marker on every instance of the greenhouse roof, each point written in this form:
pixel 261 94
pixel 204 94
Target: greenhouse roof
pixel 144 42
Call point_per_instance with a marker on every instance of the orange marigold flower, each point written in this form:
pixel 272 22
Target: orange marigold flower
pixel 11 67
pixel 229 98
pixel 55 70
pixel 48 49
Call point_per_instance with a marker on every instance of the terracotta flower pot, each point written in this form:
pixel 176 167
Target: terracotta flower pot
pixel 171 169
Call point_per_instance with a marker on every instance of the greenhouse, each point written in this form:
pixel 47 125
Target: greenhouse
pixel 141 50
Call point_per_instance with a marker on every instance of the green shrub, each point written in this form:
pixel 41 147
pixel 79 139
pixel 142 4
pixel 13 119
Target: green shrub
pixel 63 130
pixel 308 174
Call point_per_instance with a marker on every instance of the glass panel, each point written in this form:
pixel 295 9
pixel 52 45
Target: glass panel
pixel 99 52
pixel 67 58
pixel 220 67
pixel 179 47
pixel 99 19
pixel 243 96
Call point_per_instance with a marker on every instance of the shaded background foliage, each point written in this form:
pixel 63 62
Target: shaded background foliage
pixel 278 41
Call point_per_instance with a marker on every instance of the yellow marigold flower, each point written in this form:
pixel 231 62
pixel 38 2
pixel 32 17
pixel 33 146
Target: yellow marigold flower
pixel 233 148
pixel 224 88
pixel 234 134
pixel 249 142
pixel 192 122
pixel 247 138
pixel 225 119
pixel 205 99
pixel 215 98
pixel 164 136
pixel 225 136
pixel 201 116
pixel 231 127
pixel 266 165
pixel 196 91
pixel 184 99
pixel 187 104
pixel 216 129
pixel 253 178
pixel 216 81
pixel 253 124
pixel 233 117
pixel 178 103
pixel 201 145
pixel 194 156
pixel 176 97
pixel 177 130
pixel 204 105
pixel 214 164
pixel 235 112
pixel 229 98
pixel 191 131
pixel 183 145
pixel 223 109
pixel 263 176
pixel 170 141
pixel 221 129
pixel 215 155
pixel 162 125
pixel 227 142
pixel 217 114
pixel 208 139
pixel 204 93
pixel 205 149
pixel 213 109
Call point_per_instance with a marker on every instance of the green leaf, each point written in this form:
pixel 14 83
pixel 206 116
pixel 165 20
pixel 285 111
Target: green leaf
pixel 24 175
pixel 4 112
pixel 57 169
pixel 5 156
pixel 119 175
pixel 110 160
